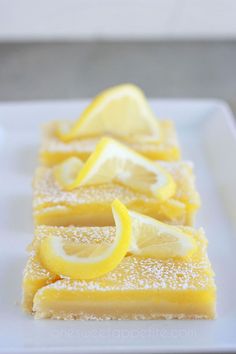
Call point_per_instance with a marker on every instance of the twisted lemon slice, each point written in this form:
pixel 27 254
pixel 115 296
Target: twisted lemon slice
pixel 152 238
pixel 114 162
pixel 120 111
pixel 137 234
pixel 86 261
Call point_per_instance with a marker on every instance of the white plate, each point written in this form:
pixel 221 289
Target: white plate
pixel 208 137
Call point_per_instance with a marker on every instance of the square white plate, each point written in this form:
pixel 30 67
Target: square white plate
pixel 208 137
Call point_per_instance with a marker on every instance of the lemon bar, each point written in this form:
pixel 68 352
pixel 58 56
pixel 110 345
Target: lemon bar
pixel 34 277
pixel 90 205
pixel 138 288
pixel 54 150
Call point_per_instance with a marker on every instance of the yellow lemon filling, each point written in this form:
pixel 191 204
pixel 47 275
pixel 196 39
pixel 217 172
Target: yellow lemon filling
pixel 91 205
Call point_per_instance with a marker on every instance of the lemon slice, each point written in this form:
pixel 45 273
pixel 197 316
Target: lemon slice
pixel 66 172
pixel 155 239
pixel 86 261
pixel 113 161
pixel 120 111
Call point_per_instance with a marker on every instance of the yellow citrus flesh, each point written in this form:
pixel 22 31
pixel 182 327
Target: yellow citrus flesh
pixel 114 162
pixel 120 111
pixel 155 239
pixel 66 172
pixel 85 261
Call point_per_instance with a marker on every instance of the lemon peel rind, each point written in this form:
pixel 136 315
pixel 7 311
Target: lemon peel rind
pixel 51 247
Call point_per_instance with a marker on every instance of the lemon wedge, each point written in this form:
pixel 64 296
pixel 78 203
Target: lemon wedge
pixel 66 172
pixel 87 261
pixel 120 111
pixel 113 161
pixel 155 239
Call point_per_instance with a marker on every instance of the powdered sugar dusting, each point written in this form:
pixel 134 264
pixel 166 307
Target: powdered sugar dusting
pixel 48 193
pixel 53 145
pixel 94 235
pixel 34 270
pixel 135 273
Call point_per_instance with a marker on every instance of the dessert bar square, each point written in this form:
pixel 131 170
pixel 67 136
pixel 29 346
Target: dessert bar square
pixel 53 150
pixel 91 205
pixel 138 288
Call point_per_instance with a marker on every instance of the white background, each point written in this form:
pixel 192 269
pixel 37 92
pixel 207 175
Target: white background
pixel 117 19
